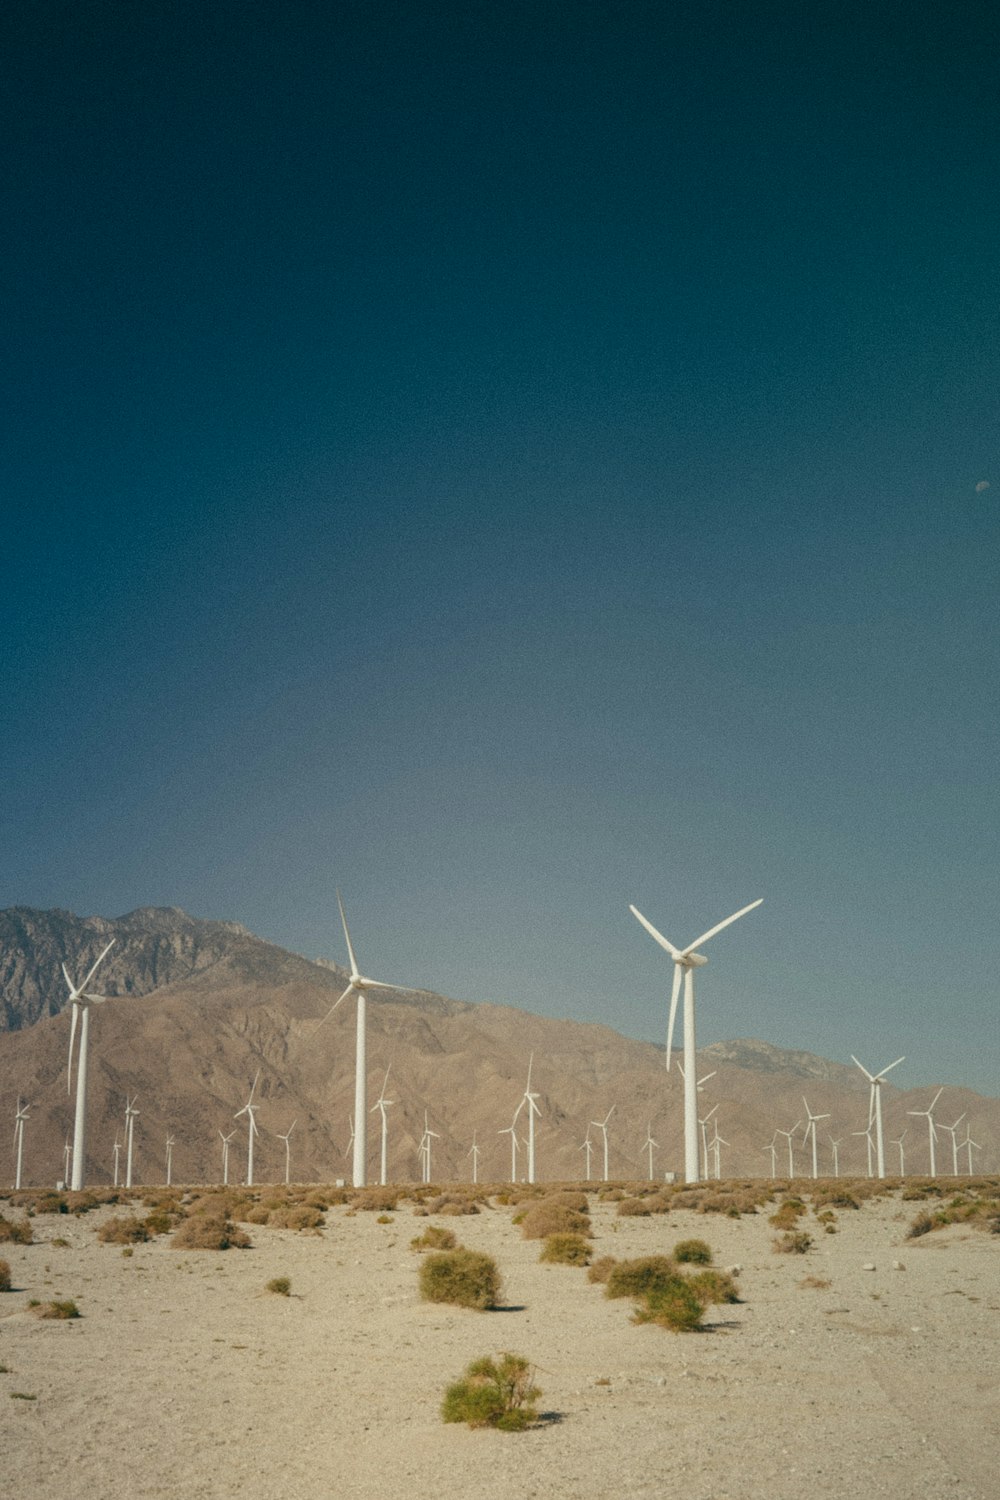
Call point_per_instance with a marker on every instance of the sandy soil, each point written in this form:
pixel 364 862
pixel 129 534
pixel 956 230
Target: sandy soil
pixel 184 1377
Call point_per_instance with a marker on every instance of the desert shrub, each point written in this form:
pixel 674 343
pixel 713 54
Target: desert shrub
pixel 59 1243
pixel 635 1208
pixel 384 1219
pixel 922 1224
pixel 259 1213
pixel 493 1393
pixel 65 1309
pixel 792 1243
pixel 634 1278
pixel 692 1253
pixel 4 1276
pixel 788 1214
pixel 207 1232
pixel 15 1231
pixel 49 1203
pixel 434 1238
pixel 376 1199
pixel 833 1197
pixel 464 1277
pixel 124 1230
pixel 453 1203
pixel 566 1250
pixel 87 1200
pixel 601 1269
pixel 713 1288
pixel 672 1304
pixel 280 1286
pixel 612 1195
pixel 295 1216
pixel 815 1284
pixel 160 1221
pixel 552 1217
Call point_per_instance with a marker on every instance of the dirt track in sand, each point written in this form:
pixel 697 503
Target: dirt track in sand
pixel 184 1377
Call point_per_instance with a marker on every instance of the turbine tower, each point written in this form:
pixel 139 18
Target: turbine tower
pixel 359 986
pixel 811 1130
pixel 81 1002
pixel 836 1156
pixel 21 1114
pixel 686 960
pixel 511 1130
pixel 117 1149
pixel 899 1142
pixel 287 1138
pixel 225 1139
pixel 130 1116
pixel 875 1079
pixel 530 1100
pixel 788 1136
pixel 170 1157
pixel 602 1126
pixel 587 1146
pixel 474 1153
pixel 382 1104
pixel 932 1132
pixel 248 1110
pixel 951 1129
pixel 648 1145
pixel 971 1145
pixel 425 1147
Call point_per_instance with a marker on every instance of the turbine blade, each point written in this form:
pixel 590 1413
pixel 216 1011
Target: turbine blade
pixel 656 936
pixel 890 1067
pixel 97 965
pixel 863 1068
pixel 719 926
pixel 674 997
pixel 69 981
pixel 347 935
pixel 333 1007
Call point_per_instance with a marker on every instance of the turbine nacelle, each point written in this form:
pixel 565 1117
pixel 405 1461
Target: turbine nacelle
pixel 691 960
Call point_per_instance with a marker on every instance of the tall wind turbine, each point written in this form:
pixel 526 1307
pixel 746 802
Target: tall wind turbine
pixel 899 1142
pixel 772 1148
pixel 587 1146
pixel 287 1138
pixel 648 1145
pixel 811 1130
pixel 602 1126
pixel 875 1079
pixel 425 1146
pixel 170 1157
pixel 248 1110
pixel 951 1129
pixel 225 1139
pixel 81 1002
pixel 130 1115
pixel 359 986
pixel 511 1130
pixel 836 1156
pixel 686 960
pixel 117 1149
pixel 474 1153
pixel 703 1127
pixel 382 1104
pixel 788 1136
pixel 929 1112
pixel 530 1100
pixel 971 1145
pixel 21 1115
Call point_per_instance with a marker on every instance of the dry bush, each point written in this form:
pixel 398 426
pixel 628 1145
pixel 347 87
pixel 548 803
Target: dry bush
pixel 672 1305
pixel 463 1277
pixel 45 1203
pixel 87 1200
pixel 326 1197
pixel 280 1286
pixel 635 1208
pixel 601 1269
pixel 611 1195
pixel 550 1216
pixel 295 1216
pixel 792 1243
pixel 634 1278
pixel 566 1250
pixel 124 1230
pixel 379 1200
pixel 692 1253
pixel 434 1238
pixel 787 1214
pixel 713 1288
pixel 453 1203
pixel 205 1231
pixel 493 1393
pixel 815 1284
pixel 4 1276
pixel 15 1231
pixel 58 1310
pixel 259 1213
pixel 162 1221
pixel 833 1197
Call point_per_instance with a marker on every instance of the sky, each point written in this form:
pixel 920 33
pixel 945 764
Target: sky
pixel 508 462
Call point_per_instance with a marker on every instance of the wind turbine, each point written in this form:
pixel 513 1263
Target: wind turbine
pixel 867 1133
pixel 511 1130
pixel 130 1114
pixel 686 960
pixel 788 1135
pixel 587 1146
pixel 359 986
pixel 929 1112
pixel 951 1129
pixel 811 1130
pixel 714 1145
pixel 648 1145
pixel 170 1157
pixel 972 1146
pixel 382 1104
pixel 117 1149
pixel 703 1126
pixel 287 1138
pixel 772 1148
pixel 425 1146
pixel 602 1126
pixel 225 1139
pixel 474 1153
pixel 899 1142
pixel 530 1100
pixel 875 1079
pixel 67 1160
pixel 81 1002
pixel 20 1116
pixel 252 1130
pixel 836 1156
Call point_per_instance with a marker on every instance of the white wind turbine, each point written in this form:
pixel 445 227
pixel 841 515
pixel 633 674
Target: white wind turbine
pixel 811 1130
pixel 836 1155
pixel 971 1145
pixel 587 1146
pixel 875 1079
pixel 703 1126
pixel 225 1139
pixel 648 1145
pixel 287 1138
pixel 350 1139
pixel 425 1147
pixel 170 1157
pixel 359 986
pixel 67 1159
pixel 602 1126
pixel 714 1146
pixel 951 1129
pixel 867 1133
pixel 248 1110
pixel 788 1136
pixel 686 960
pixel 474 1153
pixel 382 1104
pixel 511 1130
pixel 899 1142
pixel 81 1002
pixel 772 1148
pixel 130 1116
pixel 530 1100
pixel 20 1116
pixel 117 1149
pixel 929 1112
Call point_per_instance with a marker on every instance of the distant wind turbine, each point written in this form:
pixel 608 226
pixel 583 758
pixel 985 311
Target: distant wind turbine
pixel 474 1153
pixel 170 1157
pixel 899 1142
pixel 971 1146
pixel 929 1112
pixel 788 1136
pixel 951 1130
pixel 772 1148
pixel 530 1100
pixel 703 1126
pixel 81 1000
pixel 686 960
pixel 836 1157
pixel 714 1146
pixel 875 1079
pixel 117 1149
pixel 225 1139
pixel 867 1133
pixel 67 1160
pixel 130 1116
pixel 287 1138
pixel 20 1116
pixel 811 1130
pixel 587 1146
pixel 350 1139
pixel 425 1147
pixel 382 1104
pixel 602 1126
pixel 248 1110
pixel 648 1145
pixel 511 1130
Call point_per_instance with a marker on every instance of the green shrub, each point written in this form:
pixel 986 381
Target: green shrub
pixel 434 1238
pixel 788 1214
pixel 4 1276
pixel 464 1277
pixel 713 1288
pixel 566 1250
pixel 673 1304
pixel 693 1253
pixel 493 1393
pixel 922 1224
pixel 634 1278
pixel 280 1286
pixel 65 1309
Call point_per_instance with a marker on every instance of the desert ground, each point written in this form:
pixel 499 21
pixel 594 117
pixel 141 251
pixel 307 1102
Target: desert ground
pixel 184 1376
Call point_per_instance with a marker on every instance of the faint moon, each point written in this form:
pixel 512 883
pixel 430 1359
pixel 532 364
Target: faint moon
pixel 983 484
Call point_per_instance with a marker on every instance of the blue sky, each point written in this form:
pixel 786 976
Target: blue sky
pixel 508 463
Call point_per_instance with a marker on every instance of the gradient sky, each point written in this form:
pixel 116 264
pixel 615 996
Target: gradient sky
pixel 508 462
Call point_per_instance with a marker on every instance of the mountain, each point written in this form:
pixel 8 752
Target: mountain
pixel 196 1007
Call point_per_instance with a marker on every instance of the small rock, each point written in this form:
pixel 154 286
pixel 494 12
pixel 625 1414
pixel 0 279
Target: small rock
pixel 869 1265
pixel 897 1265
